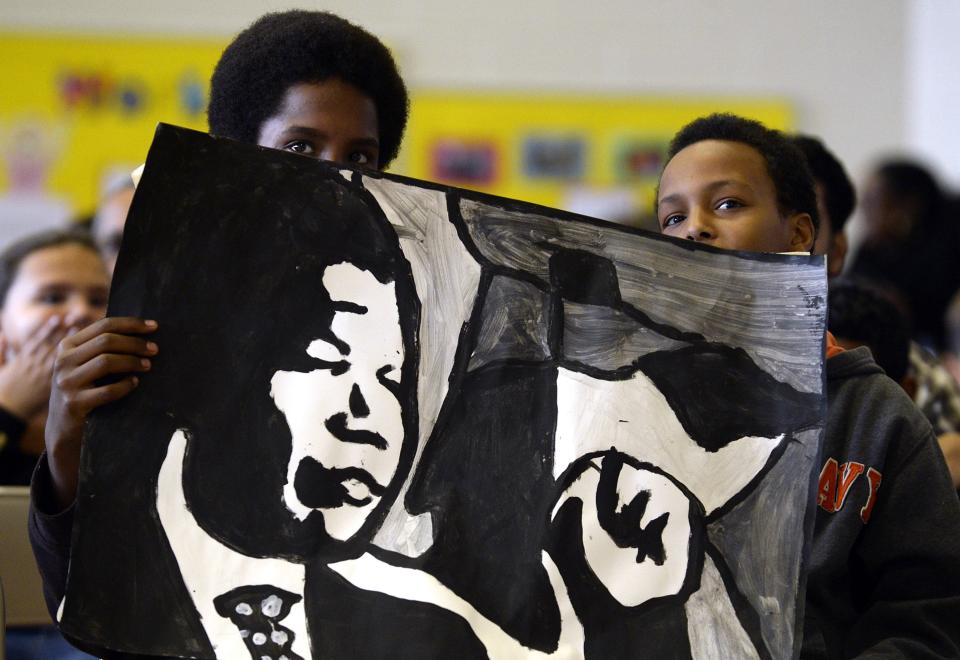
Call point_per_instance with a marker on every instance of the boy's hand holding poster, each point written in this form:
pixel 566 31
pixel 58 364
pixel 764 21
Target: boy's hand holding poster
pixel 396 420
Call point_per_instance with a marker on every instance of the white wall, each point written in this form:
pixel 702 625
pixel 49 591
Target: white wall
pixel 933 88
pixel 840 62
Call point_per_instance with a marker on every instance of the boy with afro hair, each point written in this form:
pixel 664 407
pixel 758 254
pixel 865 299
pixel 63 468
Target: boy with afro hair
pixel 308 82
pixel 313 83
pixel 884 570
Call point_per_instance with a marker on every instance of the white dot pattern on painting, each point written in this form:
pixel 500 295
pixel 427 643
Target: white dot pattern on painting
pixel 257 611
pixel 271 605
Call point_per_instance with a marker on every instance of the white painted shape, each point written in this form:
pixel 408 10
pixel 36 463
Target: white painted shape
pixel 571 640
pixel 324 350
pixel 712 625
pixel 447 279
pixel 271 606
pixel 633 583
pixel 371 574
pixel 210 568
pixel 309 399
pixel 634 417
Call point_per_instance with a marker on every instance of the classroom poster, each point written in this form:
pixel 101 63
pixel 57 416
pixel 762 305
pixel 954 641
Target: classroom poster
pixel 396 419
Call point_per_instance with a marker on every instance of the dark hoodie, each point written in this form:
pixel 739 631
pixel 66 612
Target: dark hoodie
pixel 884 576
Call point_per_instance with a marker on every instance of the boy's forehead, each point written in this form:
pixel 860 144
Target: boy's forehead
pixel 710 161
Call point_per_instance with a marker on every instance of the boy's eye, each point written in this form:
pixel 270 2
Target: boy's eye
pixel 97 301
pixel 360 158
pixel 727 204
pixel 672 220
pixel 300 147
pixel 51 297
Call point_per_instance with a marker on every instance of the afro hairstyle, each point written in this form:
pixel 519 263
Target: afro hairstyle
pixel 840 198
pixel 785 163
pixel 283 49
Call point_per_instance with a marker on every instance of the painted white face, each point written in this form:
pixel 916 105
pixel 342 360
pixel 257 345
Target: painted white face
pixel 345 417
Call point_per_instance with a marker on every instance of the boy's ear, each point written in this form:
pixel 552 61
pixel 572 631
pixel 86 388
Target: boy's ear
pixel 801 232
pixel 837 254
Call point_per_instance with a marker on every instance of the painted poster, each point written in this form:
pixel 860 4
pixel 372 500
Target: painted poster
pixel 392 419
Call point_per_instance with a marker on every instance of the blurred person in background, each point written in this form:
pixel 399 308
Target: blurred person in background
pixel 928 382
pixel 108 222
pixel 952 321
pixel 50 284
pixel 911 245
pixel 861 315
pixel 951 360
pixel 836 199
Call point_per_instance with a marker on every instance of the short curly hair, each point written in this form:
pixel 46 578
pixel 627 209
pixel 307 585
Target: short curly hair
pixel 785 163
pixel 840 198
pixel 283 49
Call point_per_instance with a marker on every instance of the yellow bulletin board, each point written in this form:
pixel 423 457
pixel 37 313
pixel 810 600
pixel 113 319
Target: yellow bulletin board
pixel 546 148
pixel 76 111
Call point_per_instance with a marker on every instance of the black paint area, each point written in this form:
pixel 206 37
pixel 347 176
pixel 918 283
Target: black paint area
pixel 486 479
pixel 256 611
pixel 623 525
pixel 318 486
pixel 348 623
pixel 720 395
pixel 584 277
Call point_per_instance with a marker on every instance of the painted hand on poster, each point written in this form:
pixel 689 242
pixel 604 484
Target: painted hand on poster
pixel 637 526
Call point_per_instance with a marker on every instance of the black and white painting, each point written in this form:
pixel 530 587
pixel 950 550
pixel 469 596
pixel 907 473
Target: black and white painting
pixel 392 419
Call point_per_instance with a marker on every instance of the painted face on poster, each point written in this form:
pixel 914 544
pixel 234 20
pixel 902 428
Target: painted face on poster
pixel 344 416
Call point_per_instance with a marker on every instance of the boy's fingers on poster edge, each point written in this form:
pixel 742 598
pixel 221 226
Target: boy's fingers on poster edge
pixel 100 366
pixel 112 324
pixel 107 344
pixel 105 394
